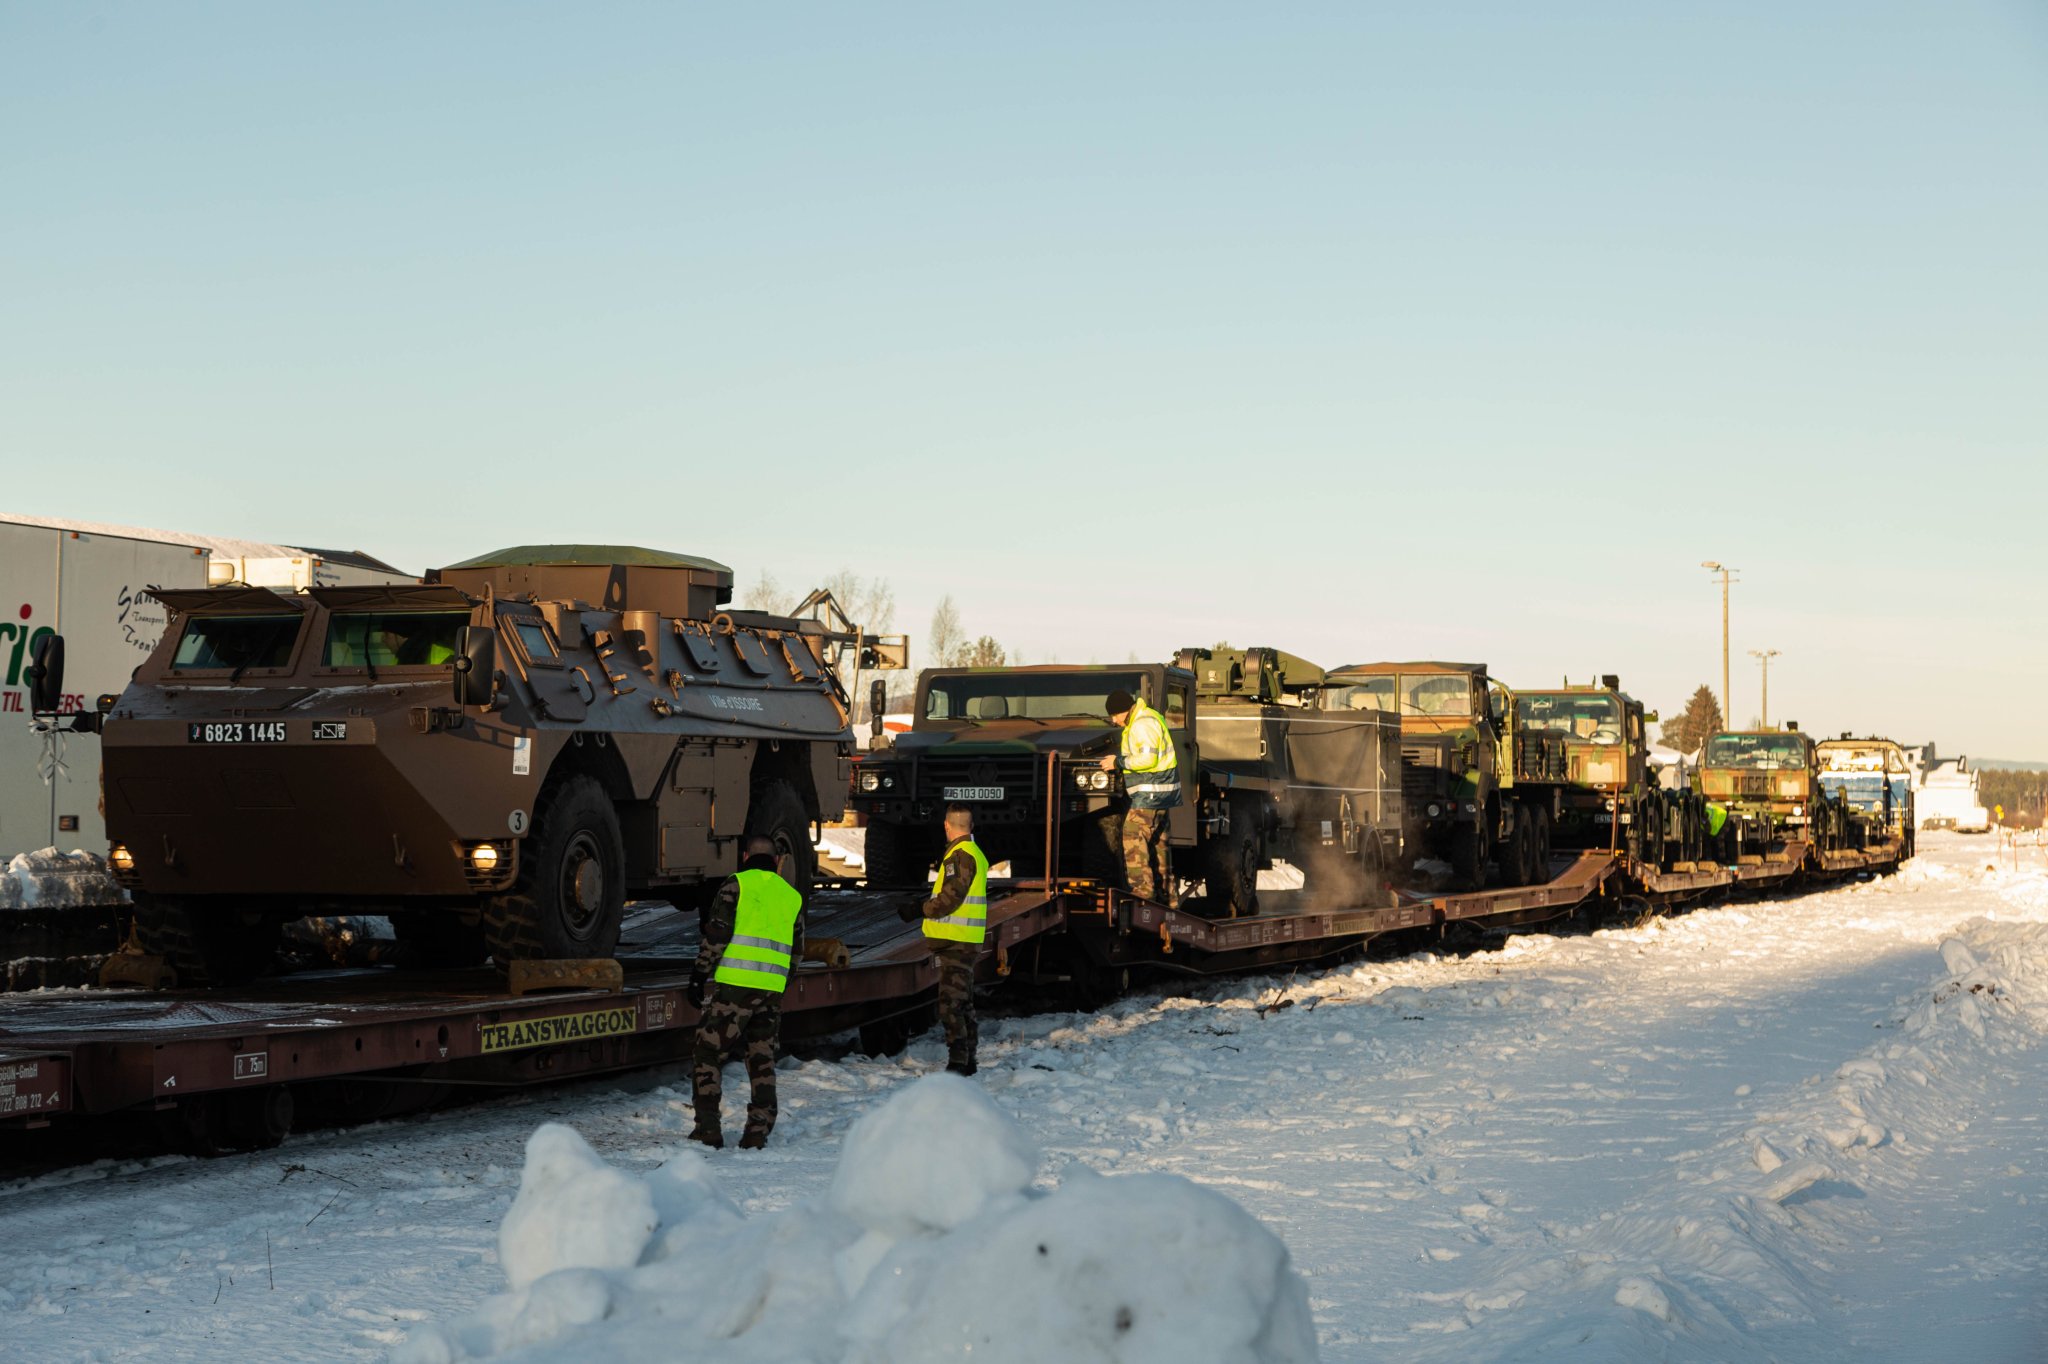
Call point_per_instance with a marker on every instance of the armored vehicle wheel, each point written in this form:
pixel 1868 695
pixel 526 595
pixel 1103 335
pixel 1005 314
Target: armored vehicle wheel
pixel 899 854
pixel 1231 871
pixel 570 898
pixel 440 938
pixel 777 814
pixel 206 943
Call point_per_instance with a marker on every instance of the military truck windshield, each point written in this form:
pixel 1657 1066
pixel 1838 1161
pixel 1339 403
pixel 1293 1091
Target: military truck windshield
pixel 1028 696
pixel 1374 693
pixel 1447 694
pixel 1589 719
pixel 238 642
pixel 1755 750
pixel 392 639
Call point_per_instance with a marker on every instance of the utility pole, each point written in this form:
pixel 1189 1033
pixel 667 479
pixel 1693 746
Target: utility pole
pixel 1764 657
pixel 1727 576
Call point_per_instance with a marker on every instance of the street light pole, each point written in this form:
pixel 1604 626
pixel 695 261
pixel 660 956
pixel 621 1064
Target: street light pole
pixel 1727 576
pixel 1764 657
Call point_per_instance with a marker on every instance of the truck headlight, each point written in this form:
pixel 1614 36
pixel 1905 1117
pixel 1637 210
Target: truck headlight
pixel 1081 778
pixel 123 860
pixel 1098 780
pixel 870 781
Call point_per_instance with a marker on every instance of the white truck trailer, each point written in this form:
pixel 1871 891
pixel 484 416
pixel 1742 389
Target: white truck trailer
pixel 87 581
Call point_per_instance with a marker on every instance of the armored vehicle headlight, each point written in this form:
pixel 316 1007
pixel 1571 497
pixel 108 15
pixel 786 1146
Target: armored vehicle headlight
pixel 484 857
pixel 122 859
pixel 870 781
pixel 1099 780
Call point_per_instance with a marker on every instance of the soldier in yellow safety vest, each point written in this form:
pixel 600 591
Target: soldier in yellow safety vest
pixel 955 921
pixel 1151 773
pixel 752 938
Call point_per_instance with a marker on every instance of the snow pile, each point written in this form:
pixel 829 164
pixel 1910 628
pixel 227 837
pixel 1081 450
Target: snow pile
pixel 1726 1246
pixel 930 1245
pixel 48 879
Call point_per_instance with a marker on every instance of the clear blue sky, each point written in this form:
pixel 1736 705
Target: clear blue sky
pixel 1364 331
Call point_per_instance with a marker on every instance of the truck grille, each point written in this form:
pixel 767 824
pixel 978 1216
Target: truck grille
pixel 1753 784
pixel 1541 757
pixel 1422 770
pixel 1018 776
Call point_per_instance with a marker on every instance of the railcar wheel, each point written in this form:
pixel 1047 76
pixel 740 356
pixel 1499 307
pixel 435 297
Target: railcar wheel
pixel 777 814
pixel 570 899
pixel 207 943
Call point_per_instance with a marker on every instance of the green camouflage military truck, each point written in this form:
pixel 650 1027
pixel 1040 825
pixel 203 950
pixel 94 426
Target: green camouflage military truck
pixel 1610 796
pixel 1265 776
pixel 1769 782
pixel 1475 795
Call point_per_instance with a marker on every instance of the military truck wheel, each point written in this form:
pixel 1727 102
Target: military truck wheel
pixel 1230 873
pixel 207 944
pixel 898 854
pixel 777 814
pixel 1542 829
pixel 570 899
pixel 438 938
pixel 1468 856
pixel 1523 842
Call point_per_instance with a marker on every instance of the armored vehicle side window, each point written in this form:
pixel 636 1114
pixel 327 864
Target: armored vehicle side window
pixel 237 642
pixel 985 697
pixel 392 639
pixel 535 639
pixel 1376 693
pixel 1176 707
pixel 1755 750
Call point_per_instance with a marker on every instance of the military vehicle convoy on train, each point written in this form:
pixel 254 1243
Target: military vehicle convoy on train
pixel 1265 775
pixel 1610 796
pixel 1768 780
pixel 495 758
pixel 1478 794
pixel 1875 781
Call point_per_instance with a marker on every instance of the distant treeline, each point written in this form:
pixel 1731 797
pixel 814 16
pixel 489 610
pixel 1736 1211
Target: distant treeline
pixel 2023 794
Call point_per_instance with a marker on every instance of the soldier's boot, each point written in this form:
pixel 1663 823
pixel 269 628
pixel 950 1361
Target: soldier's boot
pixel 761 1095
pixel 961 1063
pixel 709 1134
pixel 753 1139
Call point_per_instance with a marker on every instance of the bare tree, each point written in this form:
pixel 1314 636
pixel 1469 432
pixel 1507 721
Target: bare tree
pixel 767 595
pixel 945 637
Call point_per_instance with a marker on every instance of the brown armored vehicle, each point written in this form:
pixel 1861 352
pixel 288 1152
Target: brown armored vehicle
pixel 497 758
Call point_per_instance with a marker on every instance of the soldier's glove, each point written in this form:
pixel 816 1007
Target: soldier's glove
pixel 910 911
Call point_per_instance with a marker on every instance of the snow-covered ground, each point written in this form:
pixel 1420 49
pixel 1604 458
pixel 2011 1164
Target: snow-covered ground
pixel 1815 1129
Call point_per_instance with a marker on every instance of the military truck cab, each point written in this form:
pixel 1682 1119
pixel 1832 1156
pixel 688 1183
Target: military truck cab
pixel 1770 779
pixel 1874 780
pixel 496 758
pixel 1458 767
pixel 1006 742
pixel 1607 794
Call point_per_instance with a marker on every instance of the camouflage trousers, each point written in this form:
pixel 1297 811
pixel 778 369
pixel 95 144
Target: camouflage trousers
pixel 743 1021
pixel 956 999
pixel 1148 861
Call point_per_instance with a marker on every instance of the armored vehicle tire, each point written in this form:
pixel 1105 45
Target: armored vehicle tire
pixel 898 854
pixel 1230 873
pixel 777 814
pixel 205 943
pixel 570 899
pixel 439 938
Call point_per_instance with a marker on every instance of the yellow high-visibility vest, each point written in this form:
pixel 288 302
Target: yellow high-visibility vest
pixel 968 923
pixel 763 934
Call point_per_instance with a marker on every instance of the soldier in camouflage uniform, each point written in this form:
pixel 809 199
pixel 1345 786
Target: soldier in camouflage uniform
pixel 955 923
pixel 741 971
pixel 1151 775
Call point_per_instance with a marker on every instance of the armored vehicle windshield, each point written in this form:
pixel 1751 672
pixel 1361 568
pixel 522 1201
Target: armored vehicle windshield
pixel 1586 717
pixel 1026 695
pixel 391 639
pixel 233 643
pixel 1763 751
